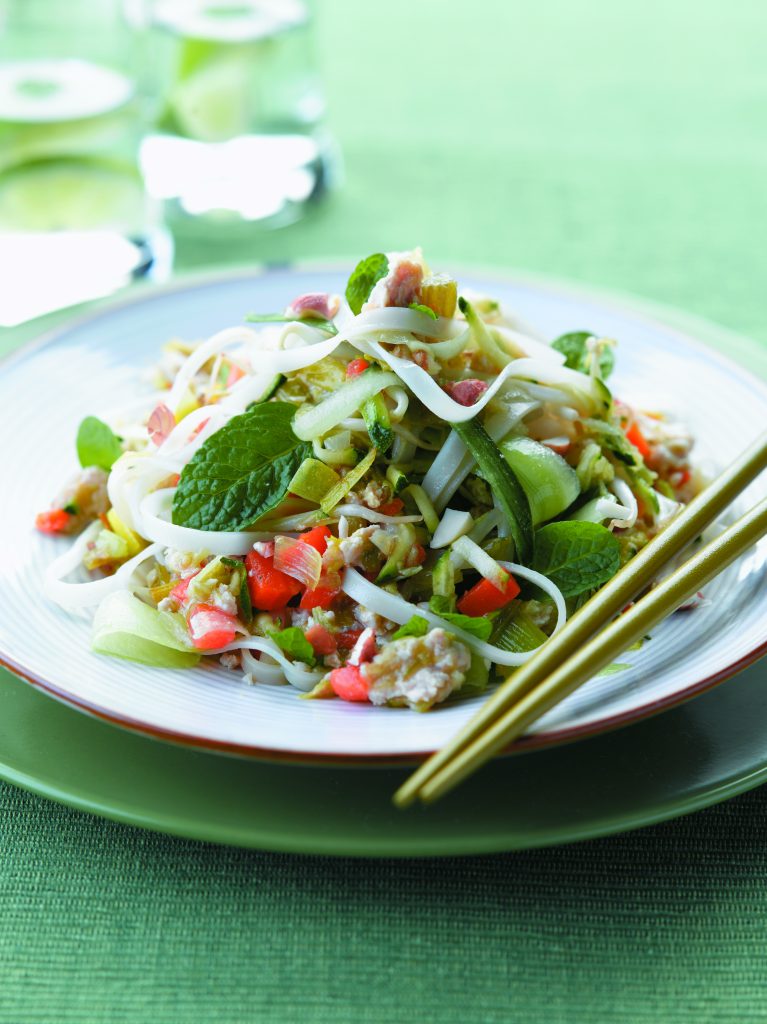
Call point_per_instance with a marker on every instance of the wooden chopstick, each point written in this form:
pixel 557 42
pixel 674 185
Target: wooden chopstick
pixel 602 649
pixel 600 609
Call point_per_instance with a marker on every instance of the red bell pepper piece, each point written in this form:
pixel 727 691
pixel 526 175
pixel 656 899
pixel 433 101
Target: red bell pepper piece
pixel 317 538
pixel 210 627
pixel 54 521
pixel 356 367
pixel 319 597
pixel 349 684
pixel 637 438
pixel 484 597
pixel 392 508
pixel 322 640
pixel 269 588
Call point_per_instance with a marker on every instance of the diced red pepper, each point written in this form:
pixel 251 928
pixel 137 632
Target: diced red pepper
pixel 319 597
pixel 234 374
pixel 637 438
pixel 317 538
pixel 347 638
pixel 179 592
pixel 356 367
pixel 56 520
pixel 269 588
pixel 349 684
pixel 485 597
pixel 392 508
pixel 417 556
pixel 322 640
pixel 210 627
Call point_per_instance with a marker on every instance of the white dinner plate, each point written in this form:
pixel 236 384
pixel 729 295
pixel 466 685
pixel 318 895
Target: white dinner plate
pixel 100 362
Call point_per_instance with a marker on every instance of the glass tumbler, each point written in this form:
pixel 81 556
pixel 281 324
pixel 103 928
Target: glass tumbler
pixel 75 222
pixel 238 140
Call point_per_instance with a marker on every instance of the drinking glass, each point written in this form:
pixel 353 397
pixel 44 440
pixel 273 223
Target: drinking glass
pixel 238 141
pixel 75 221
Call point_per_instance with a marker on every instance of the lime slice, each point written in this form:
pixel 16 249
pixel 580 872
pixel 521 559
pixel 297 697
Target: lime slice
pixel 71 194
pixel 216 102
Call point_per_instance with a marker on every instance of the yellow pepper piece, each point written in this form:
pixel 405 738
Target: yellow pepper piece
pixel 440 293
pixel 132 539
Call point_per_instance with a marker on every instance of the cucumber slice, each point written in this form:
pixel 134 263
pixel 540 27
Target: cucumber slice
pixel 551 485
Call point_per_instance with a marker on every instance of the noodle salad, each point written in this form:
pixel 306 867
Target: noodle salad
pixel 393 497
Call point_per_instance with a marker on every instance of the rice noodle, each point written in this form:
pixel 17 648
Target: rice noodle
pixel 397 609
pixel 297 674
pixel 156 526
pixel 72 596
pixel 371 516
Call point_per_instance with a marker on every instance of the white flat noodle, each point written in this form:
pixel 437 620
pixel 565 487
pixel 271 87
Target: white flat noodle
pixel 72 596
pixel 197 359
pixel 625 495
pixel 371 516
pixel 529 346
pixel 155 510
pixel 397 609
pixel 300 676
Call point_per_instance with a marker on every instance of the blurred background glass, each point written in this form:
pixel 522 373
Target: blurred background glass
pixel 238 142
pixel 75 222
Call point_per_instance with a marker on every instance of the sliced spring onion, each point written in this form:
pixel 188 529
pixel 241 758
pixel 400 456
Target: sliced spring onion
pixel 514 631
pixel 314 421
pixel 507 490
pixel 396 478
pixel 425 507
pixel 299 560
pixel 472 554
pixel 345 484
pixel 397 609
pixel 453 524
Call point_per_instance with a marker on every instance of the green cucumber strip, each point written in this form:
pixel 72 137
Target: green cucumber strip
pixel 504 484
pixel 378 423
pixel 425 507
pixel 396 478
pixel 551 485
pixel 316 420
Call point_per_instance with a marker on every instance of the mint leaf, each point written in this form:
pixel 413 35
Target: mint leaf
pixel 415 626
pixel 279 318
pixel 443 606
pixel 577 356
pixel 97 444
pixel 293 642
pixel 420 308
pixel 363 280
pixel 241 472
pixel 576 556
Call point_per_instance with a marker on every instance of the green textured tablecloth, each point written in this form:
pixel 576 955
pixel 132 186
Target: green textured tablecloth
pixel 623 145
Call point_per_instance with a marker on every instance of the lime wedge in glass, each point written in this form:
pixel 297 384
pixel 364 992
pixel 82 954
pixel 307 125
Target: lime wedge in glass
pixel 71 194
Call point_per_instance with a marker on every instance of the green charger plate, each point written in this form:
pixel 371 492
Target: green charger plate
pixel 696 754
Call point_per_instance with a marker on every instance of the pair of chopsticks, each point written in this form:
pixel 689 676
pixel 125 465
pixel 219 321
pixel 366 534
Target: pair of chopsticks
pixel 575 654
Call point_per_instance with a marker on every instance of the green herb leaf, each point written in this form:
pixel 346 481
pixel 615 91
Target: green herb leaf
pixel 415 626
pixel 481 628
pixel 576 556
pixel 363 280
pixel 577 356
pixel 279 318
pixel 293 642
pixel 97 444
pixel 241 472
pixel 246 605
pixel 420 308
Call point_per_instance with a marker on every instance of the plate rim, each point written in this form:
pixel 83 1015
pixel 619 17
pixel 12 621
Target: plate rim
pixel 623 302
